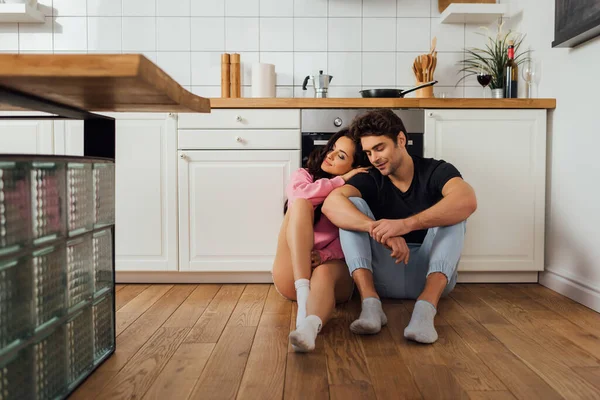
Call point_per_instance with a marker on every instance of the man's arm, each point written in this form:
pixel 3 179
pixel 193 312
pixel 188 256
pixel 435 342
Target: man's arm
pixel 458 203
pixel 342 213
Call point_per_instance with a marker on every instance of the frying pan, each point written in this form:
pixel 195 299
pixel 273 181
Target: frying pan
pixel 393 92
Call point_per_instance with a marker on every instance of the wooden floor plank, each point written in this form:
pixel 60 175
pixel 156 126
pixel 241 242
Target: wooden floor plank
pixel 250 305
pixel 305 367
pixel 139 374
pixel 127 294
pixel 499 298
pixel 210 325
pixel 276 303
pixel 264 374
pixel 481 311
pixel 590 374
pixel 487 395
pixel 193 307
pixel 578 314
pixel 390 376
pixel 94 384
pixel 181 373
pixel 223 373
pixel 136 307
pixel 119 286
pixel 446 386
pixel 356 391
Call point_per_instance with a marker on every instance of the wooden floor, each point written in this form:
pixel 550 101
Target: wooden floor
pixel 231 341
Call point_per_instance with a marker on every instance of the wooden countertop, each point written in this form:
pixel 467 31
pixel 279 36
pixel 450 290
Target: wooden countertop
pixel 382 103
pixel 97 82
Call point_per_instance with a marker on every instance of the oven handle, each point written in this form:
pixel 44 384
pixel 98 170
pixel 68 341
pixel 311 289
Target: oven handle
pixel 320 142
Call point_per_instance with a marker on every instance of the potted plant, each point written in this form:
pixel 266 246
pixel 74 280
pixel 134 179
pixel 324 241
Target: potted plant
pixel 492 59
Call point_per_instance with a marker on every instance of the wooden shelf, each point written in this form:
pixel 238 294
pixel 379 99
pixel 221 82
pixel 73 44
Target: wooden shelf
pixel 97 82
pixel 24 13
pixel 459 13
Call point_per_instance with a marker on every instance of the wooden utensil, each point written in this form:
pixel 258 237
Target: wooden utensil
pixel 433 44
pixel 426 63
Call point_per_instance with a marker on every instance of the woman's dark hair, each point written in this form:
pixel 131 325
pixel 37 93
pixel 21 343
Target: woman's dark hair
pixel 316 157
pixel 381 122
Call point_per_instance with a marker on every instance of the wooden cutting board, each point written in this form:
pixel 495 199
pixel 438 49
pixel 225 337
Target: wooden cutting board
pixel 97 82
pixel 443 4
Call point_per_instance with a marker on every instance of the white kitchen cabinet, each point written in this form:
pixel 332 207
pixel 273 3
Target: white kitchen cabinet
pixel 502 154
pixel 231 207
pixel 26 136
pixel 146 192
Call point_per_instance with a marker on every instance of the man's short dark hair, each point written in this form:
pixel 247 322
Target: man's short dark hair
pixel 381 122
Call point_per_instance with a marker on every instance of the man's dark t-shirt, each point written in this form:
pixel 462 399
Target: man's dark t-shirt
pixel 388 202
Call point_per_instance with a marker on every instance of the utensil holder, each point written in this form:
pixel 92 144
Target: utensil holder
pixel 426 92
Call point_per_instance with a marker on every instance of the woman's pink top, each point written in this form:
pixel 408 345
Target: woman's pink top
pixel 302 186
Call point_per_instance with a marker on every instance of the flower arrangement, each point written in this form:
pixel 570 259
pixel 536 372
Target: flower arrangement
pixel 493 58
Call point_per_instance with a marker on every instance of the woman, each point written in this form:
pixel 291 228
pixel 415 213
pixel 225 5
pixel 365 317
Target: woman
pixel 309 265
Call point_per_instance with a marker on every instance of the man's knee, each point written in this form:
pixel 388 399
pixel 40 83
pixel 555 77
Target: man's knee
pixel 362 206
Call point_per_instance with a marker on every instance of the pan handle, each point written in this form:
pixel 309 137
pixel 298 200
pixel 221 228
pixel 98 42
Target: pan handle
pixel 402 93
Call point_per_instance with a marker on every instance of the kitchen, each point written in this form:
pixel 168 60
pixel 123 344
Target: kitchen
pixel 173 210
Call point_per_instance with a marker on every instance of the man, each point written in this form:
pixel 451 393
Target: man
pixel 402 226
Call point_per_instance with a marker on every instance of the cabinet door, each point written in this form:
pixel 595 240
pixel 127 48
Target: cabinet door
pixel 146 193
pixel 26 137
pixel 231 208
pixel 502 154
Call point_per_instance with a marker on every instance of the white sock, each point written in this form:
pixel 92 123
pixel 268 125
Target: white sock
pixel 302 291
pixel 371 319
pixel 303 338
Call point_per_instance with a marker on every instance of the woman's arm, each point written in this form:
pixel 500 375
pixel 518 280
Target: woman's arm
pixel 301 186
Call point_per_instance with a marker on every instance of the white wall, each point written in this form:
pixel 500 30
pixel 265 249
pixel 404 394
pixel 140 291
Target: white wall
pixel 573 218
pixel 362 43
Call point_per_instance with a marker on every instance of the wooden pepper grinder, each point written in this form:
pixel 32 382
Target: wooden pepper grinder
pixel 235 75
pixel 225 76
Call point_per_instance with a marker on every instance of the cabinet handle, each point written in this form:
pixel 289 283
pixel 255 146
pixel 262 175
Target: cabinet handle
pixel 238 118
pixel 430 115
pixel 239 139
pixel 183 157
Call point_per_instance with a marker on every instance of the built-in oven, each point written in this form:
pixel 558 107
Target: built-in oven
pixel 318 125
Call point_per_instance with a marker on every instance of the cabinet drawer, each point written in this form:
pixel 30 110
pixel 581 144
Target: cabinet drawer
pixel 241 119
pixel 282 139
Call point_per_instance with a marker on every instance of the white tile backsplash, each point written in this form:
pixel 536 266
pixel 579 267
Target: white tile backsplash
pixel 37 37
pixel 242 8
pixel 173 34
pixel 276 8
pixel 104 8
pixel 241 34
pixel 69 8
pixel 344 34
pixel 104 34
pixel 414 8
pixel 136 8
pixel 310 34
pixel 345 8
pixel 345 68
pixel 70 33
pixel 207 91
pixel 310 8
pixel 284 66
pixel 379 34
pixel 379 69
pixel 177 65
pixel 379 8
pixel 362 43
pixel 208 33
pixel 413 34
pixel 173 8
pixel 450 37
pixel 276 34
pixel 208 8
pixel 9 37
pixel 139 34
pixel 309 64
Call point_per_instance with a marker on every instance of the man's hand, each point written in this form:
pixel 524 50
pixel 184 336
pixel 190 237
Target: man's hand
pixel 399 248
pixel 384 229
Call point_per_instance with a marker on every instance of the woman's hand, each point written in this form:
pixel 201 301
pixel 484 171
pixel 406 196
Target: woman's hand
pixel 346 177
pixel 315 258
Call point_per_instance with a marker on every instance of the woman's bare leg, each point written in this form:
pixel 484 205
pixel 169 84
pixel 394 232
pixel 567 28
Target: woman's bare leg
pixel 283 274
pixel 330 283
pixel 300 237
